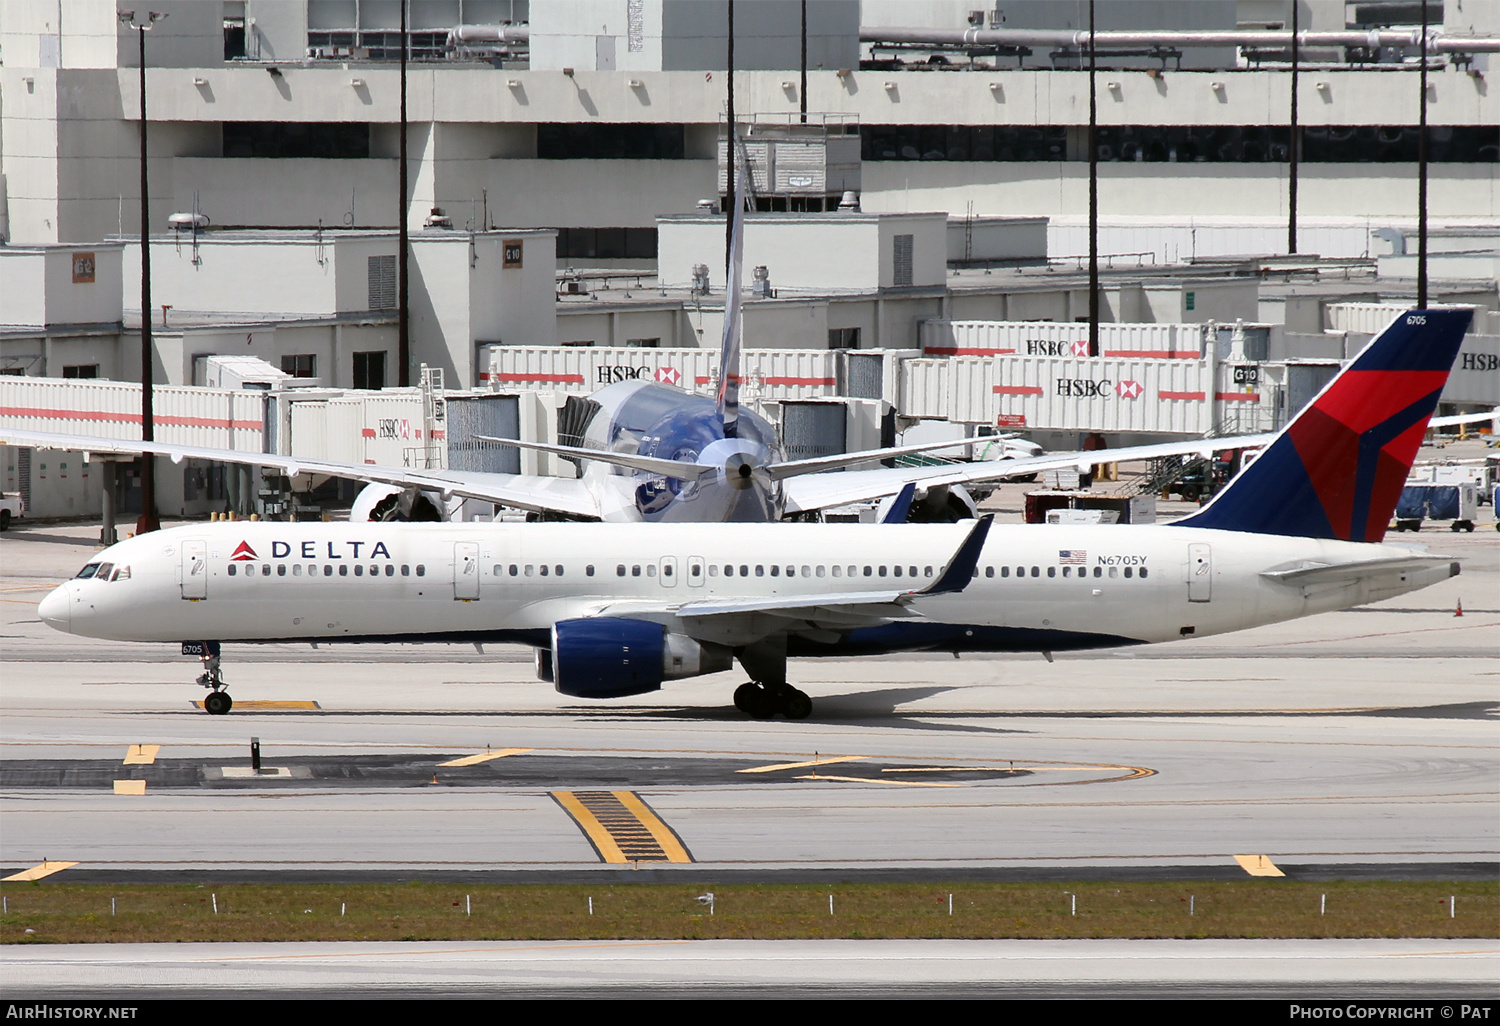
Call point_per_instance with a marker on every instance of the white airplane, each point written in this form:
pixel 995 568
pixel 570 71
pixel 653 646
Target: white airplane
pixel 615 610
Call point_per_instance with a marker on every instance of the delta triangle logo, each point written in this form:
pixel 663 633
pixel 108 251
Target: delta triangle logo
pixel 244 553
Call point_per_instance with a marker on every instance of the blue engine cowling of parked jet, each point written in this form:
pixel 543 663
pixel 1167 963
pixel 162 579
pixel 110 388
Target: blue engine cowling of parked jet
pixel 610 657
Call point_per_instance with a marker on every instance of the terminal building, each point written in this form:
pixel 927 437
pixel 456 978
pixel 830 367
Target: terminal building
pixel 918 194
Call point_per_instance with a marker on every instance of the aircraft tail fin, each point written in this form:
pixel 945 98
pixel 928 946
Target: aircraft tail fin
pixel 729 352
pixel 1338 468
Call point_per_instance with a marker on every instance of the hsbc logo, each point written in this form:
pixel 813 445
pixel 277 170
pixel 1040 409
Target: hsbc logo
pixel 1129 389
pixel 1037 347
pixel 612 373
pixel 1042 347
pixel 668 375
pixel 1082 388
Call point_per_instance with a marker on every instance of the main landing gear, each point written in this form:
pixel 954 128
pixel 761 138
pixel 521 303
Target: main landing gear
pixel 769 693
pixel 762 701
pixel 217 702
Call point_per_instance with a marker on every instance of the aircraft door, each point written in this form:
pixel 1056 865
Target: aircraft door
pixel 465 571
pixel 667 571
pixel 695 571
pixel 195 569
pixel 1200 572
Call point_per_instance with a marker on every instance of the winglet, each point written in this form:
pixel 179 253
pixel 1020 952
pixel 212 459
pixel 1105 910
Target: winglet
pixel 902 506
pixel 961 567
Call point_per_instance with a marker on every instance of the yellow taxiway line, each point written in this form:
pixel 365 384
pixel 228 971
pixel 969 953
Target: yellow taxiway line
pixel 804 765
pixel 37 872
pixel 877 780
pixel 1258 865
pixel 475 760
pixel 622 827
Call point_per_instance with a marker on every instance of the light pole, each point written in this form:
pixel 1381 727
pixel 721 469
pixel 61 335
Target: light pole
pixel 148 520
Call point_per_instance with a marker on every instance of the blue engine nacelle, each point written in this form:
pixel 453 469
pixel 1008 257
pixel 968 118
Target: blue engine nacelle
pixel 610 657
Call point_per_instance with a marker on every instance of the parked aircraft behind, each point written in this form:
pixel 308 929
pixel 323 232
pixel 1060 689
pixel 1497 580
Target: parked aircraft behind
pixel 616 610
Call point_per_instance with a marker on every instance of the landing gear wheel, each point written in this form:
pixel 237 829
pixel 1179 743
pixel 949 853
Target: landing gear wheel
pixel 217 703
pixel 796 704
pixel 754 700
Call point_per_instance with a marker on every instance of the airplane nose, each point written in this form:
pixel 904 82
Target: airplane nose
pixel 56 609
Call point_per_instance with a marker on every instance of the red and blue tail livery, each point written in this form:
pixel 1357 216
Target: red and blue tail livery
pixel 1338 468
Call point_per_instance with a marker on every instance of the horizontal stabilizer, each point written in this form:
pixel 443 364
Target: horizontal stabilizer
pixel 820 464
pixel 1308 572
pixel 647 464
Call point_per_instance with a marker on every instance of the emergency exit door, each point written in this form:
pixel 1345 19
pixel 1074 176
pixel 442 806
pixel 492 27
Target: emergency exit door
pixel 1200 573
pixel 195 570
pixel 465 571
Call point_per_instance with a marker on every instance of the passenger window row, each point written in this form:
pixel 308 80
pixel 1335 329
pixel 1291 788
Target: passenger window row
pixel 328 570
pixel 109 572
pixel 1067 571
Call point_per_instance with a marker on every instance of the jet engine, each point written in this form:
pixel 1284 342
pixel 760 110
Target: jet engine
pixel 940 504
pixel 380 502
pixel 610 657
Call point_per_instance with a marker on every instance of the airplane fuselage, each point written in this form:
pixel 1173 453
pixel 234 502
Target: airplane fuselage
pixel 1035 588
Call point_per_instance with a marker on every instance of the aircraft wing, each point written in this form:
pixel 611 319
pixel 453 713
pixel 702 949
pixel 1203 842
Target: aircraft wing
pixel 819 491
pixel 539 494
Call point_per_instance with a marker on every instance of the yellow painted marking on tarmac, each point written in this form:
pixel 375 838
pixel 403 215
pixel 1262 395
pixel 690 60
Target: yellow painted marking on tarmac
pixel 254 705
pixel 475 760
pixel 663 834
pixel 877 780
pixel 1258 865
pixel 602 840
pixel 804 765
pixel 130 787
pixel 622 827
pixel 37 872
pixel 141 755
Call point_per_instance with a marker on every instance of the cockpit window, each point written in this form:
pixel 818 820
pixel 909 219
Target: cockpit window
pixel 122 573
pixel 105 569
pixel 88 571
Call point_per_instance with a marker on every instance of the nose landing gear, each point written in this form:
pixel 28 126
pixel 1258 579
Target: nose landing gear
pixel 217 702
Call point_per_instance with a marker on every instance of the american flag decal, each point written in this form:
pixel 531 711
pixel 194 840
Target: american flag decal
pixel 1072 557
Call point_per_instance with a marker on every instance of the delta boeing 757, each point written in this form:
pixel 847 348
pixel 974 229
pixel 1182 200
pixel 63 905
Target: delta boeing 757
pixel 617 609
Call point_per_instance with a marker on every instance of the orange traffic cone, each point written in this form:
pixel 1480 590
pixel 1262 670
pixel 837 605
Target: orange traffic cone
pixel 1460 610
